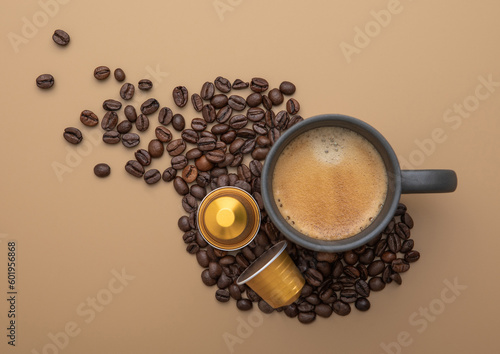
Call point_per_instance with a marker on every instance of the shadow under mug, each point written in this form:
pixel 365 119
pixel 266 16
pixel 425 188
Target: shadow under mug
pixel 399 181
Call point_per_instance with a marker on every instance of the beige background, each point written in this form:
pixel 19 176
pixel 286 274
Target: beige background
pixel 72 233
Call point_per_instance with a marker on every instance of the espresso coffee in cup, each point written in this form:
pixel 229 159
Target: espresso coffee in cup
pixel 330 183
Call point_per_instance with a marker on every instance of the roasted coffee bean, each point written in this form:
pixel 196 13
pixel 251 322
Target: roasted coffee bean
pixel 222 295
pixel 320 256
pixel 169 174
pixel 227 260
pixel 273 135
pixel 228 159
pixel 259 84
pixel 260 153
pixel 155 148
pixel 287 88
pixel 341 308
pixel 111 105
pixel 394 243
pixel 245 133
pixel 338 269
pixel 207 280
pixel 255 114
pixel 165 116
pixel 388 256
pixel 224 114
pixel 374 240
pixel 396 278
pixel 134 168
pixel 238 159
pixel 180 186
pixel 234 291
pixel 206 144
pixel 215 156
pixel 256 168
pixel 294 120
pixel 145 85
pixel 224 281
pixel 197 102
pixel 119 74
pixel 400 210
pixel 292 106
pixel 130 140
pixel 198 124
pixel 328 296
pixel 190 136
pixel 244 304
pixel 109 121
pixel 102 170
pixel 89 118
pixel 189 203
pixel 127 91
pixel 124 127
pixel 203 179
pixel 236 145
pixel 163 134
pixel 265 307
pixel 190 173
pixel 362 304
pixel 239 84
pixel 101 72
pixel 222 84
pixel 73 135
pixel 254 99
pixel 178 122
pixel 142 123
pixel 219 129
pixel 406 218
pixel 412 256
pixel 248 146
pixel 275 96
pixel 222 181
pixel 281 120
pixel 390 227
pixel 348 295
pixel 313 277
pixel 252 295
pixel 269 117
pixel 291 310
pixel 266 102
pixel 242 261
pixel 305 307
pixel 351 271
pixel 375 268
pixel 228 137
pixel 179 162
pixel 407 246
pixel 403 231
pixel 207 134
pixel 208 113
pixel 362 288
pixel 214 270
pixel 243 185
pixel 202 164
pixel 400 266
pixel 150 106
pixel 60 37
pixel 202 258
pixel 237 103
pixel 219 101
pixel 386 275
pixel 218 171
pixel 263 141
pixel 376 284
pixel 152 176
pixel 180 95
pixel 143 157
pixel 260 128
pixel 207 91
pixel 130 113
pixel 238 121
pixel 111 137
pixel 380 247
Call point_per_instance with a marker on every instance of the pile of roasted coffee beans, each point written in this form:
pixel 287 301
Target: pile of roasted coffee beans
pixel 226 147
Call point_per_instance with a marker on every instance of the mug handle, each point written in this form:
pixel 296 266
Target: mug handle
pixel 428 181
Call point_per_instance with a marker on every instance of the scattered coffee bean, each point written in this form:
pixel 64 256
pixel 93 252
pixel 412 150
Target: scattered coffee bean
pixel 178 122
pixel 362 304
pixel 101 72
pixel 190 173
pixel 143 157
pixel 134 168
pixel 176 147
pixel 219 101
pixel 180 95
pixel 152 176
pixel 109 121
pixel 130 113
pixel 259 84
pixel 292 106
pixel 222 84
pixel 165 116
pixel 45 81
pixel 145 85
pixel 244 304
pixel 155 148
pixel 237 103
pixel 127 91
pixel 111 105
pixel 179 162
pixel 142 123
pixel 254 99
pixel 150 106
pixel 73 135
pixel 60 37
pixel 89 118
pixel 130 140
pixel 119 74
pixel 287 88
pixel 124 127
pixel 111 137
pixel 239 84
pixel 102 170
pixel 275 96
pixel 222 295
pixel 190 136
pixel 169 174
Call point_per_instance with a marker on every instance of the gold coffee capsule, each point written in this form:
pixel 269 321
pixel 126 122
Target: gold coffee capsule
pixel 228 218
pixel 274 277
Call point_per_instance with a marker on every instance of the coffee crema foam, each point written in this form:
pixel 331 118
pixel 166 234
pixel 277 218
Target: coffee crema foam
pixel 330 183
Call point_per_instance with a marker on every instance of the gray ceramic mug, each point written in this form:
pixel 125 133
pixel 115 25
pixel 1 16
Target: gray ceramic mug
pixel 399 181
